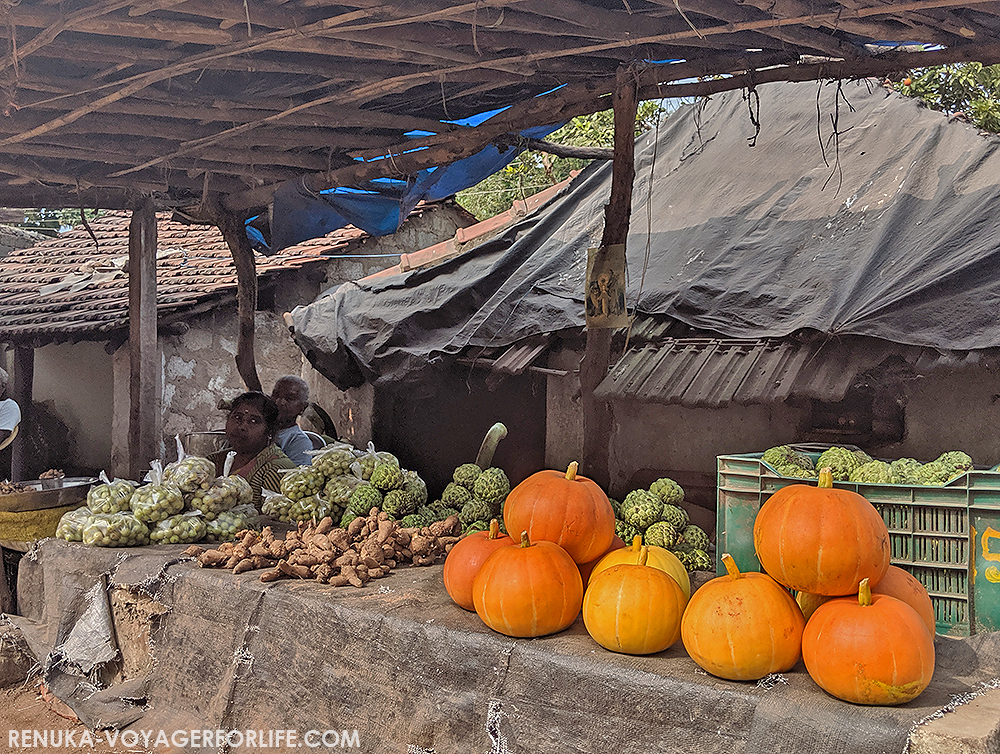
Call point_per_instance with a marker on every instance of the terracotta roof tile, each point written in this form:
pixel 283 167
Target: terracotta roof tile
pixel 66 288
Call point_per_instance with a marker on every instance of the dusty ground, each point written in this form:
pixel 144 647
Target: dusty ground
pixel 22 708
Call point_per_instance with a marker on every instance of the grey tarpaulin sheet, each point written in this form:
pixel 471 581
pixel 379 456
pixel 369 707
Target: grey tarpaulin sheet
pixel 892 234
pixel 406 668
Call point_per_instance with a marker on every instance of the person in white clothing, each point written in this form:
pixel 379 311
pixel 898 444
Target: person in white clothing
pixel 10 417
pixel 291 393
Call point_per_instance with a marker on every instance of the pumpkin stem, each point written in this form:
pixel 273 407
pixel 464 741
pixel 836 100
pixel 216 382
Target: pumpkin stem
pixel 484 459
pixel 571 471
pixel 643 555
pixel 637 542
pixel 730 564
pixel 494 529
pixel 864 593
pixel 825 478
pixel 525 542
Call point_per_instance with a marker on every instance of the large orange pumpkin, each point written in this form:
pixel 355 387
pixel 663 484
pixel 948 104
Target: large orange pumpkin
pixel 529 590
pixel 567 509
pixel 904 586
pixel 820 539
pixel 465 560
pixel 587 568
pixel 869 649
pixel 633 608
pixel 742 626
pixel 657 557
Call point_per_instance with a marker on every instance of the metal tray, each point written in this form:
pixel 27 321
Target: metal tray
pixel 47 493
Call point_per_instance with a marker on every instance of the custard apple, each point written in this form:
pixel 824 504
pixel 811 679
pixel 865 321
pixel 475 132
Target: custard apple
pixel 934 474
pixel 491 487
pixel 474 510
pixel 466 475
pixel 675 516
pixel 626 532
pixel 398 503
pixel 387 476
pixel 363 499
pixel 955 460
pixel 416 486
pixel 695 536
pixel 455 495
pixel 641 508
pixel 669 492
pixel 661 534
pixel 783 455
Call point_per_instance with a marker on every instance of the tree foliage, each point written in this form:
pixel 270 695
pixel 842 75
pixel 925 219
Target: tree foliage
pixel 534 171
pixel 52 221
pixel 968 88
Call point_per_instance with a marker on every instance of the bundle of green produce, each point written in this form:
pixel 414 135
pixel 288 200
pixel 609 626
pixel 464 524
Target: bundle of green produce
pixel 873 472
pixel 313 508
pixel 301 482
pixel 157 500
pixel 222 493
pixel 955 460
pixel 366 461
pixel 223 528
pixel 115 530
pixel 788 462
pixel 182 529
pixel 841 462
pixel 334 460
pixel 904 470
pixel 338 489
pixel 416 486
pixel 70 526
pixel 110 497
pixel 189 473
pixel 276 505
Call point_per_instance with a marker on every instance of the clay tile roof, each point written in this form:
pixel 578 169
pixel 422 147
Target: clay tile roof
pixel 65 288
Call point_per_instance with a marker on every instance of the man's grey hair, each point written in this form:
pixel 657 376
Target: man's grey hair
pixel 300 383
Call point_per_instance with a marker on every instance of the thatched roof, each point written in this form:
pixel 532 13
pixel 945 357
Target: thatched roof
pixel 104 101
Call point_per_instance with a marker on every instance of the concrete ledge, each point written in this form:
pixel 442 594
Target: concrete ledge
pixel 972 728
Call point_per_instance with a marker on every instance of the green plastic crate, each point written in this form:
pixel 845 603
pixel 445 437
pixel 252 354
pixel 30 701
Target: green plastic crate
pixel 947 537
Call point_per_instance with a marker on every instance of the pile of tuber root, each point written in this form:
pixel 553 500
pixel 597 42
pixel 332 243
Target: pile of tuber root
pixel 369 548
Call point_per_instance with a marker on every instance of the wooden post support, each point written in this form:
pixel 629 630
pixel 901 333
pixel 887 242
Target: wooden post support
pixel 21 392
pixel 597 416
pixel 144 403
pixel 235 233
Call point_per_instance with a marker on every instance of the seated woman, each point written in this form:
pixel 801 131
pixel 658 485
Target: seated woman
pixel 250 427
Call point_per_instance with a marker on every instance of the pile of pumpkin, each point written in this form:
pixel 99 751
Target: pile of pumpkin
pixel 869 637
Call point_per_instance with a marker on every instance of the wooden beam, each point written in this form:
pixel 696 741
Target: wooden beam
pixel 234 231
pixel 597 414
pixel 22 393
pixel 144 403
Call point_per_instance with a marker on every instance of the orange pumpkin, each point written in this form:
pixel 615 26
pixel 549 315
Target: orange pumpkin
pixel 820 539
pixel 587 568
pixel 529 590
pixel 904 586
pixel 569 510
pixel 465 560
pixel 742 626
pixel 633 608
pixel 657 557
pixel 869 649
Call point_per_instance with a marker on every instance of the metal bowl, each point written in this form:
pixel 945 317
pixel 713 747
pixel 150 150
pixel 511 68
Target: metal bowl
pixel 70 491
pixel 66 481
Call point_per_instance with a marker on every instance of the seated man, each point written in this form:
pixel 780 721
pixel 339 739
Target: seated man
pixel 291 393
pixel 10 417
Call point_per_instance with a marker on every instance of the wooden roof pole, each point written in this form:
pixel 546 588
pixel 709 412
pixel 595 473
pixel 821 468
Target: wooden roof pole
pixel 144 403
pixel 597 416
pixel 235 233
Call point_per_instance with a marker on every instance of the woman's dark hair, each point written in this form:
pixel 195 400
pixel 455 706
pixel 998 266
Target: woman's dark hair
pixel 268 408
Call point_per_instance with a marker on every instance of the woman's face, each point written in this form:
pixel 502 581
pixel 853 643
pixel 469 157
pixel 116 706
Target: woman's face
pixel 246 429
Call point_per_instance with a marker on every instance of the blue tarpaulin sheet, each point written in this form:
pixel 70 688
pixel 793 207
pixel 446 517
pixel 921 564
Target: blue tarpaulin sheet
pixel 300 214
